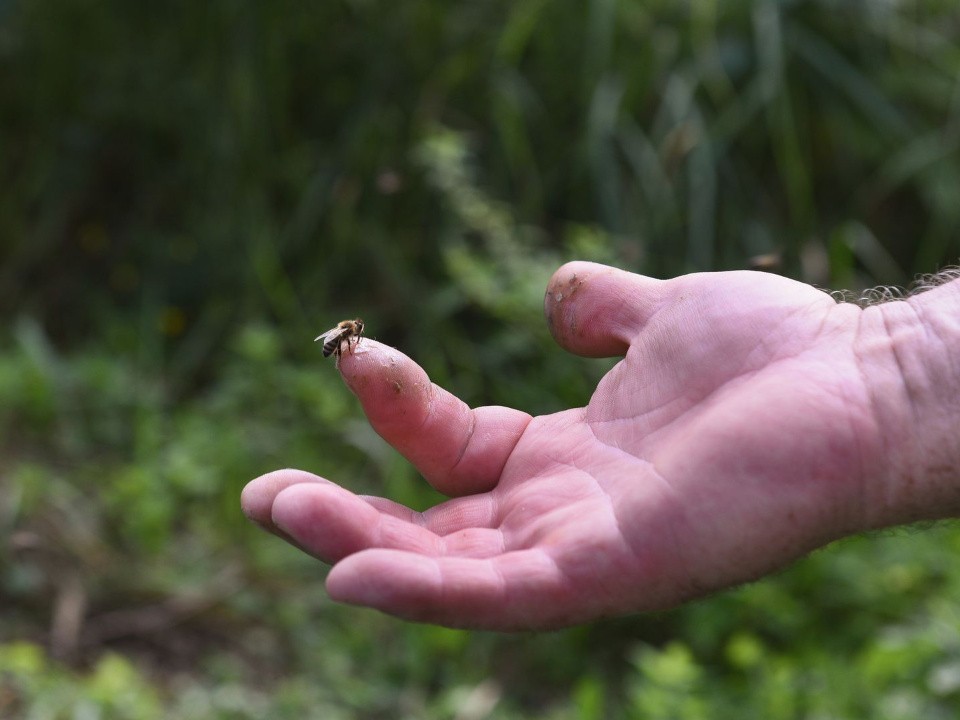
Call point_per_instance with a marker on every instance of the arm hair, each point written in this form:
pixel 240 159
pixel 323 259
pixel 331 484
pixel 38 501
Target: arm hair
pixel 892 293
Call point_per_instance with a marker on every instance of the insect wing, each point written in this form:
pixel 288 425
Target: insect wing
pixel 332 332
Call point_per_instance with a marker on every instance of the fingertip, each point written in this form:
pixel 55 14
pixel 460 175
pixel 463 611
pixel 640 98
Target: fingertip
pixel 595 310
pixel 257 498
pixel 377 373
pixel 583 268
pixel 393 390
pixel 291 510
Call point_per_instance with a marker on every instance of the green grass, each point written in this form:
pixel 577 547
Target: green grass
pixel 191 193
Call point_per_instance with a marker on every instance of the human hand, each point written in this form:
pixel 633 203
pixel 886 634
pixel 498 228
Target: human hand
pixel 737 433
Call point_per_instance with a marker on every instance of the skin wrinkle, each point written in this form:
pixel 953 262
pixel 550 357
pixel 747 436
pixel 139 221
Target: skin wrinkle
pixel 425 518
pixel 607 587
pixel 501 581
pixel 549 468
pixel 532 618
pixel 928 332
pixel 612 446
pixel 431 408
pixel 918 314
pixel 673 531
pixel 624 329
pixel 859 361
pixel 440 582
pixel 689 406
pixel 519 438
pixel 444 590
pixel 453 544
pixel 851 420
pixel 385 537
pixel 394 509
pixel 651 317
pixel 377 540
pixel 529 616
pixel 488 520
pixel 466 441
pixel 736 375
pixel 431 402
pixel 503 539
pixel 705 399
pixel 628 418
pixel 789 318
pixel 928 376
pixel 623 366
pixel 888 499
pixel 850 401
pixel 621 527
pixel 469 438
pixel 861 450
pixel 900 366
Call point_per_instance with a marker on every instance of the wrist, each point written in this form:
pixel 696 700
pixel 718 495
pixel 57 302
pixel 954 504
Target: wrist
pixel 916 395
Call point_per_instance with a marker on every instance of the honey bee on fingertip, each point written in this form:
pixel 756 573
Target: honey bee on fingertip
pixel 345 331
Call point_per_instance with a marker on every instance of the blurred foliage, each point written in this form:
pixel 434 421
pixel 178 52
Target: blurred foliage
pixel 192 191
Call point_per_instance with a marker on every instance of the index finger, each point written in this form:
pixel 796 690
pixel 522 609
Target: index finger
pixel 458 450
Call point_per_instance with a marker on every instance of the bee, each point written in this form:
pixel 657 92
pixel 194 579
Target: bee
pixel 344 332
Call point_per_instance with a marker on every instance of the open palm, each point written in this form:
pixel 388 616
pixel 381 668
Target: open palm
pixel 734 436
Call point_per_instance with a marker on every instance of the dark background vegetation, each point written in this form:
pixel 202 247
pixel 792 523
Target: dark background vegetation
pixel 191 191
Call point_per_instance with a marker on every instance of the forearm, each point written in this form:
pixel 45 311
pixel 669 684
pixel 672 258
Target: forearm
pixel 916 394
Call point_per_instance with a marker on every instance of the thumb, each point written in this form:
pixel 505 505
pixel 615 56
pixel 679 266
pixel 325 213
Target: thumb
pixel 596 310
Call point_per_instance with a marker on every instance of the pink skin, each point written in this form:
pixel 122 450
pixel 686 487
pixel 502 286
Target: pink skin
pixel 737 434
